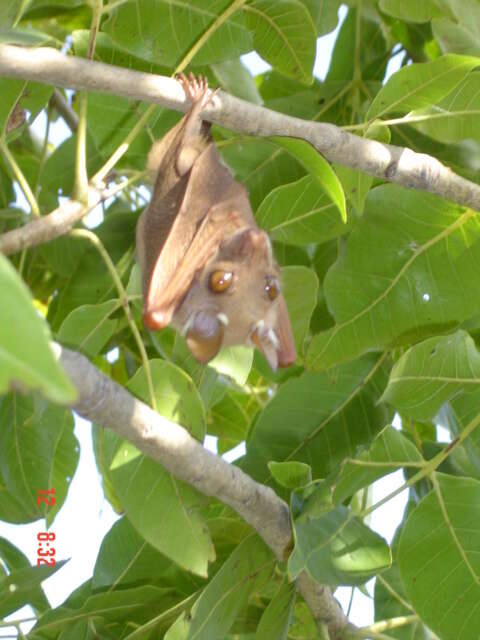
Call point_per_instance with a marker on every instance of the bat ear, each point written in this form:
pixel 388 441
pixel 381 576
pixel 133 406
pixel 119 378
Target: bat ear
pixel 286 352
pixel 205 336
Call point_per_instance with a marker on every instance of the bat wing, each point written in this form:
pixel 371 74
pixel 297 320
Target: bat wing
pixel 209 205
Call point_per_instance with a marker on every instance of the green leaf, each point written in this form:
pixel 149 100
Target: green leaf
pixel 420 84
pixel 25 37
pixel 176 395
pixel 319 419
pixel 284 35
pixel 459 32
pixel 10 12
pixel 319 169
pixel 13 559
pixel 324 14
pixel 26 358
pixel 300 288
pixel 249 566
pixel 90 282
pixel 164 31
pixel 125 559
pixel 398 296
pixel 388 584
pixel 21 586
pixel 454 118
pixel 432 372
pixel 38 450
pixel 412 10
pixel 390 451
pixel 164 510
pixel 445 527
pixel 234 362
pixel 276 618
pixel 236 79
pixel 88 327
pixel 335 547
pixel 458 414
pixel 230 418
pixel 260 165
pixel 139 604
pixel 291 475
pixel 300 213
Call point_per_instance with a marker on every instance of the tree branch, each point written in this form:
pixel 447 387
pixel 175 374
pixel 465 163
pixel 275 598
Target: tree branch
pixel 388 162
pixel 105 402
pixel 56 223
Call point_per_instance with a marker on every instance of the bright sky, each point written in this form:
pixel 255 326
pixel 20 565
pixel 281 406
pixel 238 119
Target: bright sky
pixel 86 505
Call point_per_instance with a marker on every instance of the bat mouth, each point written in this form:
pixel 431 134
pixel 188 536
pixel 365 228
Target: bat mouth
pixel 266 341
pixel 279 350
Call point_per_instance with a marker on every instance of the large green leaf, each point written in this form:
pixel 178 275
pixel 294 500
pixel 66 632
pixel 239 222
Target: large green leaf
pixel 125 559
pixel 164 31
pixel 324 14
pixel 276 618
pixel 459 31
pixel 26 358
pixel 176 396
pixel 300 287
pixel 319 168
pixel 38 450
pixel 456 117
pixel 22 586
pixel 439 557
pixel 249 566
pixel 300 213
pixel 14 560
pixel 319 418
pixel 284 35
pixel 415 11
pixel 90 282
pixel 390 451
pixel 419 85
pixel 164 510
pixel 88 328
pixel 260 165
pixel 334 546
pixel 432 372
pixel 132 606
pixel 391 601
pixel 409 270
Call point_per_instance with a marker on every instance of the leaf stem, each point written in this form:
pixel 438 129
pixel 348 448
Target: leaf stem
pixel 429 466
pixel 20 178
pixel 216 24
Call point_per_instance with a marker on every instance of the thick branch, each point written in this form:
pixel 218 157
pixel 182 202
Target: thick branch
pixel 388 162
pixel 107 403
pixel 55 224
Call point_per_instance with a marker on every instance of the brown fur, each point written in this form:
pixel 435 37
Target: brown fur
pixel 200 220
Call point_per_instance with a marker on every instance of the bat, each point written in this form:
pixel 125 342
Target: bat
pixel 207 269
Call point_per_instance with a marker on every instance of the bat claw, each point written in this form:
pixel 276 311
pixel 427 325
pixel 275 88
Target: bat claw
pixel 196 88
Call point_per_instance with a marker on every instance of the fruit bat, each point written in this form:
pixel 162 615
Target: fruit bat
pixel 207 269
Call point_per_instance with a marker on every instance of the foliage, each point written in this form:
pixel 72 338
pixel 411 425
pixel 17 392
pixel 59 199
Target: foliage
pixel 385 310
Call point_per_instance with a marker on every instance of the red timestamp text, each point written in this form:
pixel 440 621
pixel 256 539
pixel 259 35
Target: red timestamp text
pixel 45 539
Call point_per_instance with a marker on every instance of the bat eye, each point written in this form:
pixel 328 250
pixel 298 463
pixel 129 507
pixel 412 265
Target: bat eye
pixel 219 281
pixel 272 288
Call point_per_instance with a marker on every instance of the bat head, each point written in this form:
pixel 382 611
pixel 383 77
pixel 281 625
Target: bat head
pixel 235 298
